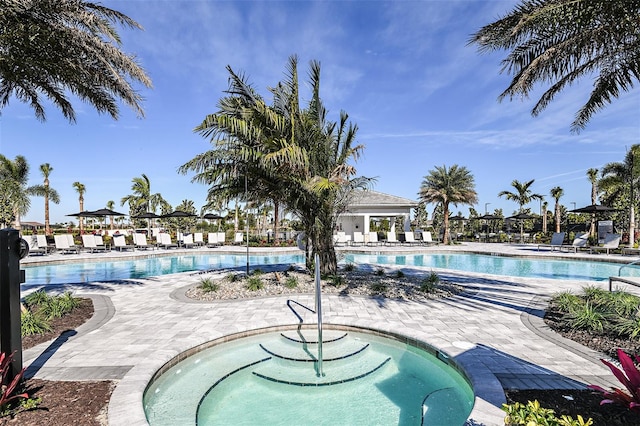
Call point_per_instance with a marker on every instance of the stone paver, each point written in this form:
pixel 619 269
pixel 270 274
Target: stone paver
pixel 494 330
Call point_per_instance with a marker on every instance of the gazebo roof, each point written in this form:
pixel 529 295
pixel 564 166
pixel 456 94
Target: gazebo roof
pixel 379 199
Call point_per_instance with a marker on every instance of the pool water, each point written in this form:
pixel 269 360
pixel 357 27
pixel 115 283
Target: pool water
pixel 263 380
pixel 155 266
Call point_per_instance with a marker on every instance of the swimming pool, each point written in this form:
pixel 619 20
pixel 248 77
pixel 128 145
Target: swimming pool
pixel 155 266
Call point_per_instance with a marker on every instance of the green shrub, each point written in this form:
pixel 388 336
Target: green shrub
pixel 379 272
pixel 291 282
pixel 68 302
pixel 254 283
pixel 587 317
pixel 378 287
pixel 349 267
pixel 36 298
pixel 628 327
pixel 232 277
pixel 430 283
pixel 257 272
pixel 208 285
pixel 624 304
pixel 566 301
pixel 336 280
pixel 33 323
pixel 400 274
pixel 596 295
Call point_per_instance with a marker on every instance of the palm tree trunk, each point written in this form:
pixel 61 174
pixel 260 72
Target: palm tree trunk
pixel 445 235
pixel 632 226
pixel 276 214
pixel 47 227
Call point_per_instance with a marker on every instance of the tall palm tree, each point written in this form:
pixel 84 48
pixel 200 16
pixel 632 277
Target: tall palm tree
pixel 448 186
pixel 37 39
pixel 14 193
pixel 48 193
pixel 110 205
pixel 80 189
pixel 142 200
pixel 592 175
pixel 620 183
pixel 545 206
pixel 285 152
pixel 556 194
pixel 522 195
pixel 561 41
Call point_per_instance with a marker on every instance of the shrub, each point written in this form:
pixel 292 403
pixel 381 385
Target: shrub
pixel 596 295
pixel 566 301
pixel 623 303
pixel 257 272
pixel 629 376
pixel 337 280
pixel 628 327
pixel 533 414
pixel 378 287
pixel 208 285
pixel 291 282
pixel 36 298
pixel 254 283
pixel 232 277
pixel 33 323
pixel 349 267
pixel 379 272
pixel 430 283
pixel 400 274
pixel 8 392
pixel 586 317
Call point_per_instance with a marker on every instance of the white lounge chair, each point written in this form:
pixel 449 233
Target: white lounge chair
pixel 239 238
pixel 611 242
pixel 391 239
pixel 222 238
pixel 557 239
pixel 165 241
pixel 43 243
pixel 409 238
pixel 89 243
pixel 187 241
pixel 140 242
pixel 212 239
pixel 198 239
pixel 120 243
pixel 340 238
pixel 580 241
pixel 62 244
pixel 34 249
pixel 373 239
pixel 358 239
pixel 426 239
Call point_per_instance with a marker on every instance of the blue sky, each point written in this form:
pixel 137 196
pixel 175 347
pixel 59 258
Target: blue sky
pixel 419 94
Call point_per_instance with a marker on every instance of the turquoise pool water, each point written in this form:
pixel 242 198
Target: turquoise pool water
pixel 149 267
pixel 267 379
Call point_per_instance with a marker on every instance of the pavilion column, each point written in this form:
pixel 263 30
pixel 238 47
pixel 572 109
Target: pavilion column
pixel 392 224
pixel 366 228
pixel 407 223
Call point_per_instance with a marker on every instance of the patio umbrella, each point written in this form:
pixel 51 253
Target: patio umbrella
pixel 178 214
pixel 593 208
pixel 211 216
pixel 521 217
pixel 147 215
pixel 106 212
pixel 84 213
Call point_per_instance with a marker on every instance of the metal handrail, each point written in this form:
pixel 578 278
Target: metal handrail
pixel 319 312
pixel 628 264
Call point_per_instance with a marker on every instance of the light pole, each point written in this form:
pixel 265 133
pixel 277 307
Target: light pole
pixel 485 208
pixel 246 226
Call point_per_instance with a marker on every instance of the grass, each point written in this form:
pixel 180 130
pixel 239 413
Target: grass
pixel 41 308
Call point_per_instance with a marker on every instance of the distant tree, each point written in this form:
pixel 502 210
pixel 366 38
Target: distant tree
pixel 443 186
pixel 14 192
pixel 142 200
pixel 556 194
pixel 592 175
pixel 562 41
pixel 111 205
pixel 54 48
pixel 545 206
pixel 80 189
pixel 48 193
pixel 620 183
pixel 522 195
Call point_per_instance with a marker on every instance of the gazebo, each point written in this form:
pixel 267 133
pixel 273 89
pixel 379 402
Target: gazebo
pixel 368 205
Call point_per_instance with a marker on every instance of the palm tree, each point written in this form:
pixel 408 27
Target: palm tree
pixel 522 196
pixel 557 193
pixel 445 186
pixel 545 206
pixel 285 152
pixel 592 175
pixel 14 193
pixel 111 205
pixel 48 193
pixel 620 183
pixel 561 41
pixel 40 35
pixel 142 200
pixel 80 189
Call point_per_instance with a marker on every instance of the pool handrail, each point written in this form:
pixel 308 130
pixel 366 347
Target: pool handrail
pixel 626 265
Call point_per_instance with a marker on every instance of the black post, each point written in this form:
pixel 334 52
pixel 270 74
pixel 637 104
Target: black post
pixel 11 250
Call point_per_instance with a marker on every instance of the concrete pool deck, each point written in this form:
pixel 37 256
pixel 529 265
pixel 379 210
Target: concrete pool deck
pixel 494 329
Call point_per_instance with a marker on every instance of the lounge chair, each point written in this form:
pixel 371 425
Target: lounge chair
pixel 140 242
pixel 198 239
pixel 340 239
pixel 187 241
pixel 358 239
pixel 34 249
pixel 164 241
pixel 410 239
pixel 212 239
pixel 239 238
pixel 580 241
pixel 89 243
pixel 62 244
pixel 631 251
pixel 373 239
pixel 556 241
pixel 391 239
pixel 611 242
pixel 120 243
pixel 72 242
pixel 222 238
pixel 44 244
pixel 426 239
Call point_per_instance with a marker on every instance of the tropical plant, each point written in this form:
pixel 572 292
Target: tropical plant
pixel 561 41
pixel 379 272
pixel 48 193
pixel 14 192
pixel 349 267
pixel 557 193
pixel 587 317
pixel 282 152
pixel 80 189
pixel 629 376
pixel 55 45
pixel 566 301
pixel 533 414
pixel 620 183
pixel 142 200
pixel 9 384
pixel 592 175
pixel 291 282
pixel 443 186
pixel 522 195
pixel 208 285
pixel 110 205
pixel 254 283
pixel 430 283
pixel 378 287
pixel 33 323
